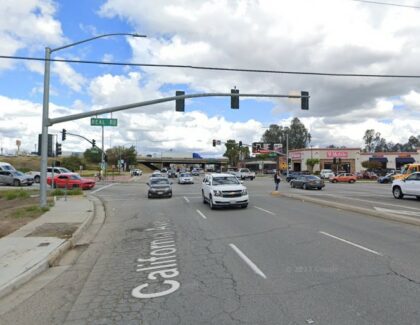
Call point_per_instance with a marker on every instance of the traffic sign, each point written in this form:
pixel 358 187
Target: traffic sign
pixel 103 121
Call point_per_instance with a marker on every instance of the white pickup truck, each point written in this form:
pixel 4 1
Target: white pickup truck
pixel 242 173
pixel 57 170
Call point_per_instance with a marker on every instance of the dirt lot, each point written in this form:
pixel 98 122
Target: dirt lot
pixel 17 212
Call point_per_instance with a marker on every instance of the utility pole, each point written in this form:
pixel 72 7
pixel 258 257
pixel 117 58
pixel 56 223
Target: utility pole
pixel 287 153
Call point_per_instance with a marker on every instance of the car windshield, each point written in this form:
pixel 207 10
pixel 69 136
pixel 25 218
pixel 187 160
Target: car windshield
pixel 75 177
pixel 159 181
pixel 225 180
pixel 6 167
pixel 312 177
pixel 64 170
pixel 185 175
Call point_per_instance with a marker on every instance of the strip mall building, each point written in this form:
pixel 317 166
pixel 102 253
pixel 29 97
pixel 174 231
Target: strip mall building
pixel 351 158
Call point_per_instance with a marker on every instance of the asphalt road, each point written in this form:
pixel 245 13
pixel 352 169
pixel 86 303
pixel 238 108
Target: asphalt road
pixel 280 261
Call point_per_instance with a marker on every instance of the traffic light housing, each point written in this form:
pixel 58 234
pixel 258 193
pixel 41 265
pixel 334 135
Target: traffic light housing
pixel 304 100
pixel 240 143
pixel 180 103
pixel 234 100
pixel 214 143
pixel 339 161
pixel 63 135
pixel 93 143
pixel 58 151
pixel 335 161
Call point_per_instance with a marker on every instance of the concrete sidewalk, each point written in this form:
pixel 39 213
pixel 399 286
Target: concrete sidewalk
pixel 34 247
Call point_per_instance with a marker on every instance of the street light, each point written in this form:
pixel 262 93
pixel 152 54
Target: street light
pixel 45 107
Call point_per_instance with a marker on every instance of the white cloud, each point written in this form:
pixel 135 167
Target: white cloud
pixel 68 76
pixel 28 24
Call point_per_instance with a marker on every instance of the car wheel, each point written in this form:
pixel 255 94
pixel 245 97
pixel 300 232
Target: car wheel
pixel 305 187
pixel 170 195
pixel 36 179
pixel 252 178
pixel 418 197
pixel 398 194
pixel 244 206
pixel 16 182
pixel 351 181
pixel 211 202
pixel 334 181
pixel 320 188
pixel 204 198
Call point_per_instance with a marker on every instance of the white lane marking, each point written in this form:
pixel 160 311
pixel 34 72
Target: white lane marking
pixel 250 263
pixel 269 212
pixel 350 243
pixel 186 199
pixel 102 188
pixel 408 213
pixel 201 214
pixel 362 200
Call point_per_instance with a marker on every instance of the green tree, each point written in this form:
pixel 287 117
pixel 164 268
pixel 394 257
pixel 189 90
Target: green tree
pixel 129 155
pixel 72 163
pixel 92 156
pixel 369 139
pixel 311 162
pixel 299 137
pixel 232 152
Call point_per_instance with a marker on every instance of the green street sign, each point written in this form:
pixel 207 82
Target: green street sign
pixel 272 154
pixel 103 121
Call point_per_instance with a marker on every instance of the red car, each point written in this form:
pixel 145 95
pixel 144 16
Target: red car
pixel 71 180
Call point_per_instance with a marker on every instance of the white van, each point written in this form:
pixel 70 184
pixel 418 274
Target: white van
pixel 4 166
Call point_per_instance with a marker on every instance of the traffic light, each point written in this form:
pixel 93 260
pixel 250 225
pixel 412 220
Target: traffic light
pixel 240 143
pixel 214 143
pixel 335 161
pixel 63 135
pixel 339 161
pixel 58 151
pixel 106 158
pixel 304 100
pixel 234 100
pixel 93 143
pixel 271 146
pixel 180 103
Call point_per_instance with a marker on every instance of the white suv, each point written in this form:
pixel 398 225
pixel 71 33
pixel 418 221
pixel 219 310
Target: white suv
pixel 223 190
pixel 407 186
pixel 326 173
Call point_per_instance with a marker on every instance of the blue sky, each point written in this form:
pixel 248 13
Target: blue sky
pixel 269 35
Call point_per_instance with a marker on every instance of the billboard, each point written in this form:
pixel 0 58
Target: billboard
pixel 264 147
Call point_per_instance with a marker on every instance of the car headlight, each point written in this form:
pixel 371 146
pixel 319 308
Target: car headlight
pixel 244 192
pixel 217 193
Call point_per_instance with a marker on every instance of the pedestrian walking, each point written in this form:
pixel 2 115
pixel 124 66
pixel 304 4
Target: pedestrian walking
pixel 277 180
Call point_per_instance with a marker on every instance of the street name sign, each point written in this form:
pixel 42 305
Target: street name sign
pixel 103 121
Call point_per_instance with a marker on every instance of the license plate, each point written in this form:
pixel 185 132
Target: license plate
pixel 232 202
pixel 159 192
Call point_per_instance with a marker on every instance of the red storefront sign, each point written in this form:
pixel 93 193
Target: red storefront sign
pixel 337 154
pixel 296 155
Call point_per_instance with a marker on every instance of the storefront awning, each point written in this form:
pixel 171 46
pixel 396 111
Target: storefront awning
pixel 380 159
pixel 405 160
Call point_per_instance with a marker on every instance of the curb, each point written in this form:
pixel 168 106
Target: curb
pixel 346 207
pixel 51 258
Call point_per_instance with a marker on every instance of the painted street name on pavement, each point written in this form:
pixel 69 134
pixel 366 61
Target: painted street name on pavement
pixel 161 265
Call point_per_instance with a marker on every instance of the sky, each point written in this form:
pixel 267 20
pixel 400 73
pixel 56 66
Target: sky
pixel 333 36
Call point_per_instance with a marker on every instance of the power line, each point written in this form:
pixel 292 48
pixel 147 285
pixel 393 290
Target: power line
pixel 151 65
pixel 387 4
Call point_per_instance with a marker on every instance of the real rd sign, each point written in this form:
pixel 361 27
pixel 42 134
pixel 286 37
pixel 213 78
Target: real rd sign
pixel 103 121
